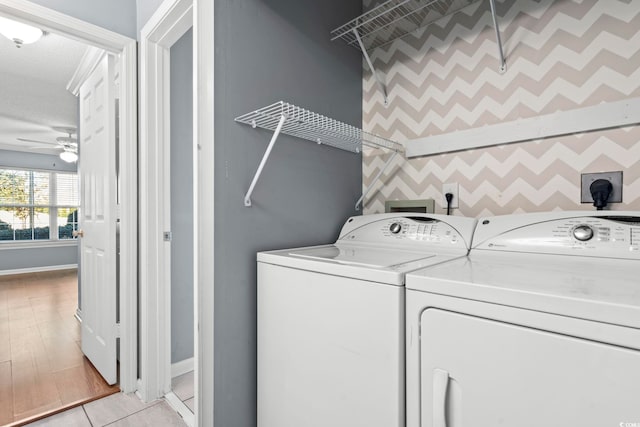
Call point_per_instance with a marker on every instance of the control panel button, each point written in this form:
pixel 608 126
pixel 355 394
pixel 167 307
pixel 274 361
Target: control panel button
pixel 583 233
pixel 395 227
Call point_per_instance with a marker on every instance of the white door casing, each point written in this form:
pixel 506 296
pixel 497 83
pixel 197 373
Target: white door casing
pixel 98 218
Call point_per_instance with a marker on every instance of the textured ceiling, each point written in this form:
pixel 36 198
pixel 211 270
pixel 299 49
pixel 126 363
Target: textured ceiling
pixel 33 95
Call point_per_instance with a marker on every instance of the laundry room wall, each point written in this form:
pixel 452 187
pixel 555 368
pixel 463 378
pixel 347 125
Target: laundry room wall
pixel 36 255
pixel 561 55
pixel 267 51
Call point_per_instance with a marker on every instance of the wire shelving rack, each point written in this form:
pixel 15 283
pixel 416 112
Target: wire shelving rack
pixel 283 117
pixel 394 19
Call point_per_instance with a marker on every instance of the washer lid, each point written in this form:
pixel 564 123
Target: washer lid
pixel 374 257
pixel 364 262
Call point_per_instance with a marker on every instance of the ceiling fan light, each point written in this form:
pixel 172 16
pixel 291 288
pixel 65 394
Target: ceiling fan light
pixel 18 32
pixel 69 156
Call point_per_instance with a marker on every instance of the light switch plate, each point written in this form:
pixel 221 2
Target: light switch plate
pixel 614 177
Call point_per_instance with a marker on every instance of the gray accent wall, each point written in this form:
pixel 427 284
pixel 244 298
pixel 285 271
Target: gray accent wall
pixel 181 94
pixel 39 257
pixel 116 15
pixel 46 254
pixel 267 51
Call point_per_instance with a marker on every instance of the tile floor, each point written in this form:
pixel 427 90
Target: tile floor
pixel 122 410
pixel 182 387
pixel 117 410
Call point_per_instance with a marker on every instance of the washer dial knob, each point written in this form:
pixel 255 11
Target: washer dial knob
pixel 583 233
pixel 395 227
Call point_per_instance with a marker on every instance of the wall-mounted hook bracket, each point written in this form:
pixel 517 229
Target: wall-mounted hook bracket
pixel 377 177
pixel 381 84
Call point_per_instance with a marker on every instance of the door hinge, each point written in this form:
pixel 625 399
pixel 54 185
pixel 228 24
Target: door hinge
pixel 117 329
pixel 167 236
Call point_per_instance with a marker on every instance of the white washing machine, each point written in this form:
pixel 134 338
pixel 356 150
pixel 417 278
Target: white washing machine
pixel 538 326
pixel 331 320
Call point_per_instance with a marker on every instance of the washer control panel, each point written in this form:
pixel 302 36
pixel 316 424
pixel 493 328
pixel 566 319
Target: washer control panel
pixel 614 236
pixel 412 230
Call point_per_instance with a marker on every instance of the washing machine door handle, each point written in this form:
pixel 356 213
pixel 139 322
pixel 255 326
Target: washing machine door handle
pixel 440 385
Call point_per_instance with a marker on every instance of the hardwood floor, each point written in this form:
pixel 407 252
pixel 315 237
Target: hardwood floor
pixel 42 368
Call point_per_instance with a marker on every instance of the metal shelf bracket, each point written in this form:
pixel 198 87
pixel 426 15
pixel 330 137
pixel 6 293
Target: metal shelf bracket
pixel 276 133
pixel 291 120
pixel 503 62
pixel 377 177
pixel 381 84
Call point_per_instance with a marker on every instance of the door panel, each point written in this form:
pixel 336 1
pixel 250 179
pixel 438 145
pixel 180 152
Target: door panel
pixel 98 220
pixel 501 374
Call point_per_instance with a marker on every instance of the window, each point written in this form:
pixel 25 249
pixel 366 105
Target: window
pixel 38 205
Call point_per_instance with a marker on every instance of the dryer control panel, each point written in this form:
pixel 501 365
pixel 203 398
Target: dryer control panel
pixel 605 234
pixel 410 229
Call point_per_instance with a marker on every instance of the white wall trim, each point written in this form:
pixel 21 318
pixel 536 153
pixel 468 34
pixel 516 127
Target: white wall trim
pixel 204 185
pixel 37 244
pixel 602 116
pixel 170 21
pixel 125 47
pixel 181 408
pixel 88 63
pixel 38 269
pixel 182 367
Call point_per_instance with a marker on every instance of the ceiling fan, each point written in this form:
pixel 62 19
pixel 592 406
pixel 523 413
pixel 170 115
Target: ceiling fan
pixel 68 144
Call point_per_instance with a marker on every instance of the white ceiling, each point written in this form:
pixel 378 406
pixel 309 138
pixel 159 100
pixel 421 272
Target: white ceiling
pixel 33 95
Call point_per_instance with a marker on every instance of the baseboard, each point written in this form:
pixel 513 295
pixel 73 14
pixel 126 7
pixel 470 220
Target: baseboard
pixel 181 408
pixel 181 367
pixel 38 269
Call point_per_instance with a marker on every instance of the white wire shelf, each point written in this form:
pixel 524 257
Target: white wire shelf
pixel 315 127
pixel 394 19
pixel 397 18
pixel 289 119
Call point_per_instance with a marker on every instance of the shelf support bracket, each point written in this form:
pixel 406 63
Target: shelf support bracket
pixel 503 62
pixel 377 177
pixel 381 84
pixel 247 197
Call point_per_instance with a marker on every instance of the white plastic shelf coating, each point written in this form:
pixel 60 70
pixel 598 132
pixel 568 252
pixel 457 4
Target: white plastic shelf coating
pixel 289 119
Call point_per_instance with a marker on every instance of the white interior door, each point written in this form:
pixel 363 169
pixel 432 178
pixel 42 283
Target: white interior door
pixel 98 218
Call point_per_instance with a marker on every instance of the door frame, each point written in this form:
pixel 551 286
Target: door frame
pixel 170 21
pixel 125 47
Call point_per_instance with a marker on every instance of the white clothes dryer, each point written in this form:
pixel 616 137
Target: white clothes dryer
pixel 331 320
pixel 538 326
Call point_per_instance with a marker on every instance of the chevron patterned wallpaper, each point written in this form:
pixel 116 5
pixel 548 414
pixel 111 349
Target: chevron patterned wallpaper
pixel 561 55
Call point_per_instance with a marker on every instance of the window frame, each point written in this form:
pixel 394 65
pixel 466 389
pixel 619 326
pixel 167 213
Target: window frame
pixel 54 233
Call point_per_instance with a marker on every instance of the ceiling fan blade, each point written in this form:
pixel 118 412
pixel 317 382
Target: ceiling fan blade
pixel 65 129
pixel 36 141
pixel 35 148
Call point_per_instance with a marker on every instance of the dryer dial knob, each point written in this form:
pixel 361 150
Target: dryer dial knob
pixel 395 227
pixel 583 233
